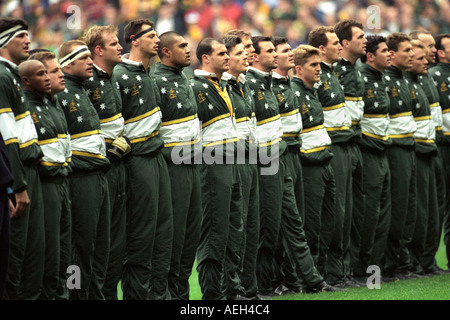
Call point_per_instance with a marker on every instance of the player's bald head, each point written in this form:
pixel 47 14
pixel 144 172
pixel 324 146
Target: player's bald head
pixel 28 67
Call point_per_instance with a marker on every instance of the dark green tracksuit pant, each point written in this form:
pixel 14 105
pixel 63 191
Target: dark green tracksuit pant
pixel 187 217
pixel 221 229
pixel 279 215
pixel 89 196
pixel 433 244
pixel 250 220
pixel 403 208
pixel 352 237
pixel 149 228
pixel 320 193
pixel 27 251
pixel 342 168
pixel 445 154
pixel 377 216
pixel 426 222
pixel 285 272
pixel 57 217
pixel 116 177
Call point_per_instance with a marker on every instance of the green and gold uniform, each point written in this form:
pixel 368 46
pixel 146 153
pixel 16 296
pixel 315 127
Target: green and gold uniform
pixel 26 264
pixel 426 222
pixel 221 228
pixel 338 125
pixel 291 123
pixel 54 169
pixel 149 204
pixel 278 204
pixel 374 142
pixel 440 74
pixel 353 85
pixel 403 174
pixel 244 109
pixel 104 94
pixel 180 131
pixel 89 193
pixel 433 241
pixel 318 175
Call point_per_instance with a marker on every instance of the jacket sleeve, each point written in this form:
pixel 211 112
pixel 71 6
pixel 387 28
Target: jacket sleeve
pixel 9 132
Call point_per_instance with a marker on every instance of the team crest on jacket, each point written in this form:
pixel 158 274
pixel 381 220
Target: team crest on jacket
pixel 413 94
pixel 304 108
pixel 443 87
pixel 201 97
pixel 96 94
pixel 326 86
pixel 35 118
pixel 135 90
pixel 172 93
pixel 260 96
pixel 370 93
pixel 394 92
pixel 280 97
pixel 72 107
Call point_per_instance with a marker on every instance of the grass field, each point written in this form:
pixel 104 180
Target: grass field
pixel 431 288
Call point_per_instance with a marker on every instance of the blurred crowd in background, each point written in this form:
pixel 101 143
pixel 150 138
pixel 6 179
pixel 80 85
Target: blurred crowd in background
pixel 196 19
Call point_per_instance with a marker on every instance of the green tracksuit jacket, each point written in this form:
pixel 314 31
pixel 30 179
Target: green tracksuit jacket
pixel 290 117
pixel 337 122
pixel 353 86
pixel 180 131
pixel 89 191
pixel 318 176
pixel 278 204
pixel 244 108
pixel 427 220
pixel 103 91
pixel 221 228
pixel 440 74
pixel 402 165
pixel 376 174
pixel 16 125
pixel 149 204
pixel 54 169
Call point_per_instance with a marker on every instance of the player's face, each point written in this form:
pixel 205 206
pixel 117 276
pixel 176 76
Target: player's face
pixel 358 43
pixel 18 48
pixel 39 80
pixel 430 44
pixel 403 57
pixel 112 51
pixel 248 45
pixel 82 67
pixel 444 54
pixel 148 42
pixel 382 57
pixel 219 58
pixel 268 57
pixel 331 51
pixel 180 53
pixel 238 59
pixel 311 70
pixel 285 56
pixel 56 75
pixel 420 62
